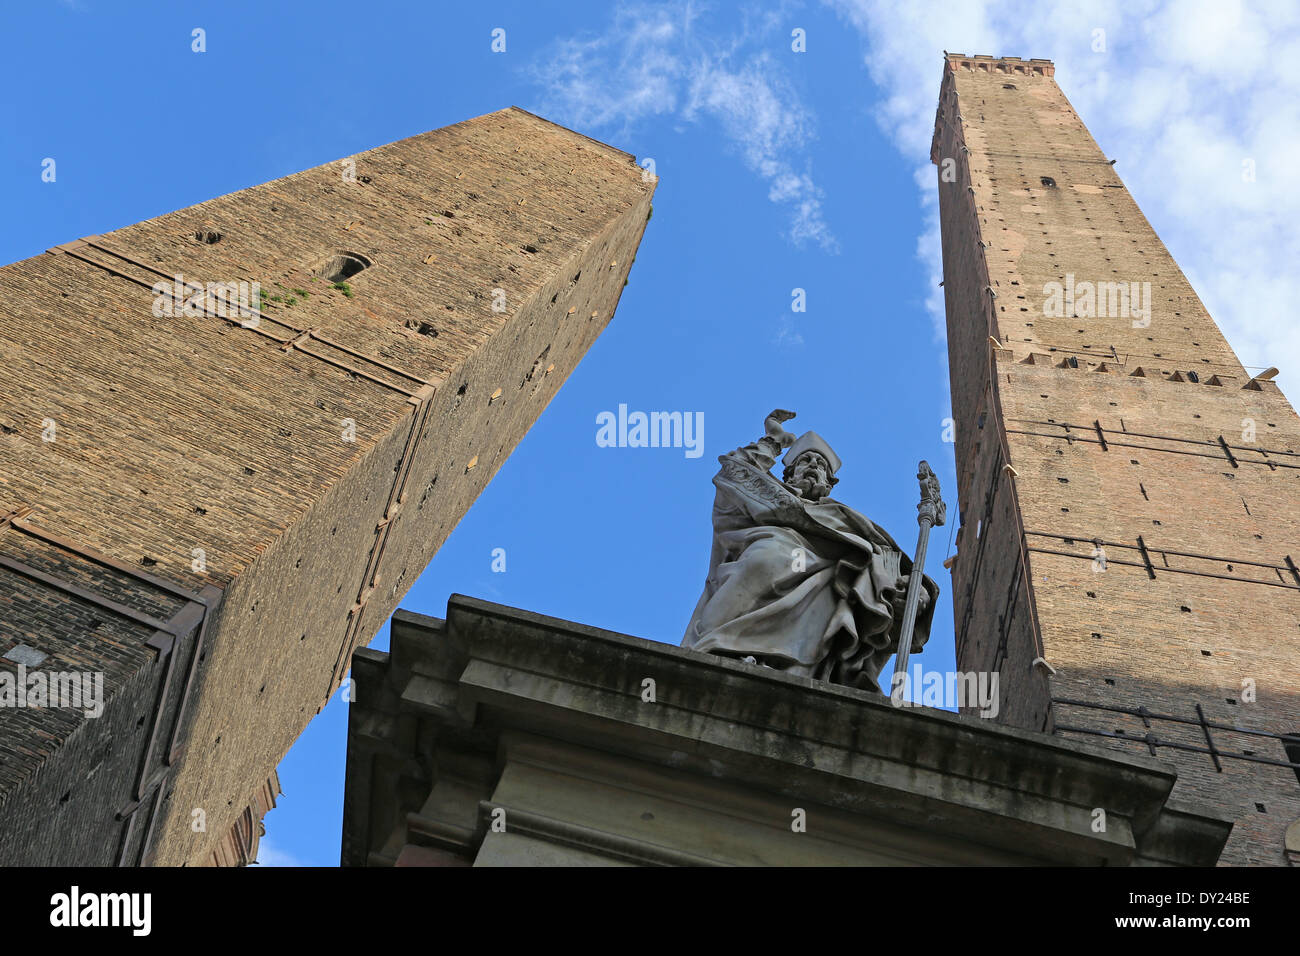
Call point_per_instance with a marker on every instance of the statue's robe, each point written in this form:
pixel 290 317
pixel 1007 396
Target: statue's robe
pixel 806 587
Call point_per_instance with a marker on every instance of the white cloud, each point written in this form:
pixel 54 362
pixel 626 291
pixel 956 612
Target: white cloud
pixel 1182 94
pixel 654 60
pixel 269 855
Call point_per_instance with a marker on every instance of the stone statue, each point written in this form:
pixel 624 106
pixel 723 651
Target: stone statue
pixel 798 581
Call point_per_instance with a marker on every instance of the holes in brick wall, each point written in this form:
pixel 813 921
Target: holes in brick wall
pixel 1092 594
pixel 428 489
pixel 1206 654
pixel 422 327
pixel 1260 808
pixel 1291 744
pixel 1185 609
pixel 1096 635
pixel 1110 681
pixel 340 266
pixel 1047 181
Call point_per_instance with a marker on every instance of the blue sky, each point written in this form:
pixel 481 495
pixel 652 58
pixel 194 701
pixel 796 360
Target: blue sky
pixel 778 171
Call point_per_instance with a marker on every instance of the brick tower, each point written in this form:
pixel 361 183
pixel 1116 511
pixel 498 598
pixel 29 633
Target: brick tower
pixel 212 506
pixel 1130 494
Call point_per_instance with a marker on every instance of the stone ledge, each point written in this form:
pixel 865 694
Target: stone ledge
pixel 543 720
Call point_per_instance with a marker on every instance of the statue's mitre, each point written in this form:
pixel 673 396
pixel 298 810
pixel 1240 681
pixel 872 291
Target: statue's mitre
pixel 811 441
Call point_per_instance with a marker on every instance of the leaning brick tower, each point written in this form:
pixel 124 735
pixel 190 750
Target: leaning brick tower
pixel 1130 493
pixel 212 506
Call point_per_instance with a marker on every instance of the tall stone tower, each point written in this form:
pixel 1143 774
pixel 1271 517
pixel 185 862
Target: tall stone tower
pixel 211 504
pixel 1130 494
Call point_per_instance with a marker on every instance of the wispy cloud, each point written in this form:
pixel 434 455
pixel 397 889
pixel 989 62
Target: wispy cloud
pixel 1181 95
pixel 787 332
pixel 655 60
pixel 269 855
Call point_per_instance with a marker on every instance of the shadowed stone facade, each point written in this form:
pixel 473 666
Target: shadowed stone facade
pixel 1130 494
pixel 230 507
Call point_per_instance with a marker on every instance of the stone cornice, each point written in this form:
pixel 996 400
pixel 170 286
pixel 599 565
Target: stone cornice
pixel 493 679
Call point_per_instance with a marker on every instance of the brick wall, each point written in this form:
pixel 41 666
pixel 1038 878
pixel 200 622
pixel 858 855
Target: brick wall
pixel 1138 440
pixel 183 432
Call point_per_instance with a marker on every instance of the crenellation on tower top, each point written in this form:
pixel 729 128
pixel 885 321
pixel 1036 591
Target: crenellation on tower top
pixel 981 62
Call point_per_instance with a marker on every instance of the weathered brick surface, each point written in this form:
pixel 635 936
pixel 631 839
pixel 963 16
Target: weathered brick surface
pixel 66 778
pixel 1118 445
pixel 177 433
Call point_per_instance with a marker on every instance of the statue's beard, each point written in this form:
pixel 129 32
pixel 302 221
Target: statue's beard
pixel 810 488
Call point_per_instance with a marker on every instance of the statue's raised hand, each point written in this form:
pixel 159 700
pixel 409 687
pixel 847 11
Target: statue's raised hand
pixel 774 429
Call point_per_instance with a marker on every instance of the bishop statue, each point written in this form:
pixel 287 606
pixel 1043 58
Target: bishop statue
pixel 798 581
